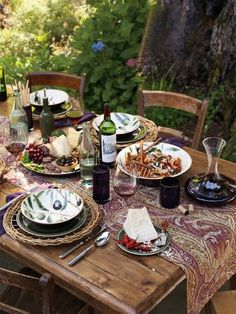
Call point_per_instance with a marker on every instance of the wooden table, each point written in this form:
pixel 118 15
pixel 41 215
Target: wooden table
pixel 110 279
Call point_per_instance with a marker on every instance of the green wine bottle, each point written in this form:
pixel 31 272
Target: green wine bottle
pixel 3 89
pixel 107 131
pixel 46 119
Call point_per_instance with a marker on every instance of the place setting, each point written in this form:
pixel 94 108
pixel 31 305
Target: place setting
pixel 58 102
pixel 129 128
pixel 52 216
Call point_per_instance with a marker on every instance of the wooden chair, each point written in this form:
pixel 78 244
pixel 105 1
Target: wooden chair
pixel 27 293
pixel 57 79
pixel 183 102
pixel 224 302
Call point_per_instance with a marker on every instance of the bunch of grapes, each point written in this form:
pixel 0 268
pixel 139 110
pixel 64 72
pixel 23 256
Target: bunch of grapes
pixel 37 152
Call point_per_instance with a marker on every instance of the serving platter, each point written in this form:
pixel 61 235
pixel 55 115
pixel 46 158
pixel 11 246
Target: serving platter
pixel 165 148
pixel 157 250
pixel 46 172
pixel 52 206
pixel 125 123
pixel 57 231
pixel 55 97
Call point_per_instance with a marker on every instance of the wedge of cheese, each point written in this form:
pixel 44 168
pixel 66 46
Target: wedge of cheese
pixel 60 147
pixel 138 225
pixel 73 136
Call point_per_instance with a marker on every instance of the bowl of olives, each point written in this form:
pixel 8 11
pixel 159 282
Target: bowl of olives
pixel 67 163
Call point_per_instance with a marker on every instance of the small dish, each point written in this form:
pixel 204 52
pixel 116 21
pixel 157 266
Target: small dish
pixel 55 97
pixel 125 123
pixel 52 206
pixel 158 250
pixel 69 165
pixel 74 114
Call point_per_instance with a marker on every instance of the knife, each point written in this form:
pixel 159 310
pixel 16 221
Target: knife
pixel 11 201
pixel 76 246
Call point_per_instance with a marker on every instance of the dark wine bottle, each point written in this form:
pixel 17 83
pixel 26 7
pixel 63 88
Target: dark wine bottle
pixel 107 131
pixel 3 89
pixel 46 120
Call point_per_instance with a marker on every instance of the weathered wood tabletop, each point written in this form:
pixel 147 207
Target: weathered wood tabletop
pixel 109 279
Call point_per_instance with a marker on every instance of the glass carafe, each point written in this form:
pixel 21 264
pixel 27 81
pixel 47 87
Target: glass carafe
pixel 212 187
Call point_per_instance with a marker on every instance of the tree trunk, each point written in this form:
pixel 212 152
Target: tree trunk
pixel 196 41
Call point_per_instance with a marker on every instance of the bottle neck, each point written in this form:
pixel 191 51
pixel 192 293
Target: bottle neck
pixel 17 101
pixel 107 115
pixel 45 104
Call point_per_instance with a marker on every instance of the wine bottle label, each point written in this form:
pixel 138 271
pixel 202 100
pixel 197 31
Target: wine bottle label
pixel 108 148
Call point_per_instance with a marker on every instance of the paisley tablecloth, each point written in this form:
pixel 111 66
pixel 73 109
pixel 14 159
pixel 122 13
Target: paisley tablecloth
pixel 203 243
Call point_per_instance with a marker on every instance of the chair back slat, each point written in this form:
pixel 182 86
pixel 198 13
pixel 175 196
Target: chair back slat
pixel 179 101
pixel 57 79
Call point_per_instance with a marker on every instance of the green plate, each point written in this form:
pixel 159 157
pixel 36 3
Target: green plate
pixel 121 234
pixel 133 137
pixel 51 232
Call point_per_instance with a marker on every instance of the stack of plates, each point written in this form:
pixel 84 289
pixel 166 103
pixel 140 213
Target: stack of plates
pixel 51 213
pixel 58 102
pixel 128 127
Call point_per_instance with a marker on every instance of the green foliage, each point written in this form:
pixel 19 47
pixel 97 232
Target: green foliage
pixel 119 25
pixel 58 35
pixel 37 38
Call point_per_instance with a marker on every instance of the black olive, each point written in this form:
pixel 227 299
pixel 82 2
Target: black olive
pixel 57 205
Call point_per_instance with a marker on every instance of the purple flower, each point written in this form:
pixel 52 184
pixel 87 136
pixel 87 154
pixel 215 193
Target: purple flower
pixel 131 62
pixel 98 46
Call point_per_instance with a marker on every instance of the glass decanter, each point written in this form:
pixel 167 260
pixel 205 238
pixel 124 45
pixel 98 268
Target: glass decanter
pixel 212 187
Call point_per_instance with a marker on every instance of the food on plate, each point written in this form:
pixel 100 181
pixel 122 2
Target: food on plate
pixel 53 157
pixel 60 146
pixel 138 225
pixel 67 163
pixel 152 163
pixel 73 136
pixel 140 233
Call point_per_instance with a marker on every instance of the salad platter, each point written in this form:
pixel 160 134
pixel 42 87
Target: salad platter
pixel 58 157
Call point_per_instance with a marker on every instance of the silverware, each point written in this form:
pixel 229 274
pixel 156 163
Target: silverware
pixel 122 118
pixel 99 241
pixel 76 246
pixel 11 201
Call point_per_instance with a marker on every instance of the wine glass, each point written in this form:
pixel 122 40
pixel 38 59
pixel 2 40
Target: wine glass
pixel 125 183
pixel 15 142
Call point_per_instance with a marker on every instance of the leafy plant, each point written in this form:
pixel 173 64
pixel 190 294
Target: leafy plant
pixel 105 46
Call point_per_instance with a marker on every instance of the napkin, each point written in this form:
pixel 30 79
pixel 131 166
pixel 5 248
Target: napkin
pixel 174 141
pixel 66 122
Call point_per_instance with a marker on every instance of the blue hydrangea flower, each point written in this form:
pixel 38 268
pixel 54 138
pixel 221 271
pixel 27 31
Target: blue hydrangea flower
pixel 98 46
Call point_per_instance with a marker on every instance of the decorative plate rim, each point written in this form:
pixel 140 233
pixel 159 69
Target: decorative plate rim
pixel 121 154
pixel 96 123
pixel 64 97
pixel 77 208
pixel 138 253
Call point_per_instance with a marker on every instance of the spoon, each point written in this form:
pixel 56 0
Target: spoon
pixel 99 241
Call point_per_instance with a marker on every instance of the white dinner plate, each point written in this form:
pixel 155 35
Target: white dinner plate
pixel 125 123
pixel 52 206
pixel 165 148
pixel 55 97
